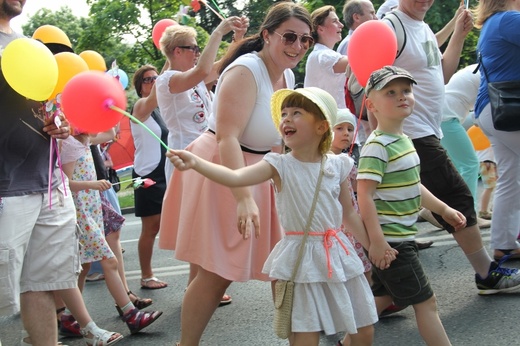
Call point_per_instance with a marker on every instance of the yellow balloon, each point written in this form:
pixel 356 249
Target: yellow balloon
pixel 478 138
pixel 94 60
pixel 69 65
pixel 30 68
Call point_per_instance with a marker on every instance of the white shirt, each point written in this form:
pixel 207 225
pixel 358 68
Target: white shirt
pixel 319 72
pixel 461 94
pixel 422 58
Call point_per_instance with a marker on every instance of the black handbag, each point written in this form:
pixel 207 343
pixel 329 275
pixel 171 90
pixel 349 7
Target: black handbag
pixel 504 99
pixel 114 178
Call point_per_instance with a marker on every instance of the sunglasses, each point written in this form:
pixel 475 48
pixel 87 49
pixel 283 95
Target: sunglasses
pixel 288 38
pixel 148 80
pixel 194 48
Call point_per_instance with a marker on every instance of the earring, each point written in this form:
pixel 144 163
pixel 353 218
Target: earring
pixel 267 42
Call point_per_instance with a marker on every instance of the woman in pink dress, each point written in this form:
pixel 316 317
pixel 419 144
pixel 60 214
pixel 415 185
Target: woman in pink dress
pixel 200 218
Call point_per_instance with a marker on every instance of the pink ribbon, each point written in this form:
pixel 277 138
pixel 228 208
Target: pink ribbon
pixel 327 243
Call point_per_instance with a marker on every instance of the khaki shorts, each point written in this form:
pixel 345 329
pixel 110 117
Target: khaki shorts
pixel 488 174
pixel 39 247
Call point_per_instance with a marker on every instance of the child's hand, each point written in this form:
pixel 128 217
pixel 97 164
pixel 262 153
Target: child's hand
pixel 381 254
pixel 101 185
pixel 454 218
pixel 181 159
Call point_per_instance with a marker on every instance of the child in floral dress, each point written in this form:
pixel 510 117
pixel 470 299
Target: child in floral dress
pixel 78 165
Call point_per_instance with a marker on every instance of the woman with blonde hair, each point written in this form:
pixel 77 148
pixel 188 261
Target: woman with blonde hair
pixel 499 51
pixel 203 216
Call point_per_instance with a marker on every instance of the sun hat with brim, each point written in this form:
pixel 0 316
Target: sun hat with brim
pixel 319 97
pixel 380 78
pixel 345 116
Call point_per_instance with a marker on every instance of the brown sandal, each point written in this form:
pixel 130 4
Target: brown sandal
pixel 138 302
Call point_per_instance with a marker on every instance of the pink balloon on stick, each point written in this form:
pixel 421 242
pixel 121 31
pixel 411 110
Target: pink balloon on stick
pixel 372 46
pixel 159 28
pixel 87 98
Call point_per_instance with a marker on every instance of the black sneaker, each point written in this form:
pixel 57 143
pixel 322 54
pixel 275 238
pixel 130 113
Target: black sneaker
pixel 499 279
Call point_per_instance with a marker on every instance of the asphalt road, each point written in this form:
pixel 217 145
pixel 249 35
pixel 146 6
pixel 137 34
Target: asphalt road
pixel 469 319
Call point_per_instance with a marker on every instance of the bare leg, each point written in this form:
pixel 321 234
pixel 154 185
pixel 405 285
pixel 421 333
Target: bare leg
pixel 114 283
pixel 200 302
pixel 429 323
pixel 485 198
pixel 38 313
pixel 305 339
pixel 149 230
pixel 364 336
pixel 83 276
pixel 113 240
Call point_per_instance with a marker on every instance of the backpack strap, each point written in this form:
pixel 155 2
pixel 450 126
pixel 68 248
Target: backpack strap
pixel 398 27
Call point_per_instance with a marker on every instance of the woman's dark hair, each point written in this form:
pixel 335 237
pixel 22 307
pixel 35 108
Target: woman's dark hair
pixel 138 77
pixel 276 15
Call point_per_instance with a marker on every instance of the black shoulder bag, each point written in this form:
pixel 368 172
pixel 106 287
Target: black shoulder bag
pixel 504 98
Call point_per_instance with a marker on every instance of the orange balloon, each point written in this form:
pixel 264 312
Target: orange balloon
pixel 69 65
pixel 51 34
pixel 478 138
pixel 94 60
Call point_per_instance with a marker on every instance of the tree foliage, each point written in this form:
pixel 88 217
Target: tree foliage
pixel 121 29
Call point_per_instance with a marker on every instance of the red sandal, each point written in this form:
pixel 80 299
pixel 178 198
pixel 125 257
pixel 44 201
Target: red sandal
pixel 137 320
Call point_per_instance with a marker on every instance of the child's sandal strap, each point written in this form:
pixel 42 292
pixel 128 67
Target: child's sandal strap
pixel 100 337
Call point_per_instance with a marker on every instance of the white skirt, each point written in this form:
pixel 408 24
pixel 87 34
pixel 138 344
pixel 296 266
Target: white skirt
pixel 333 307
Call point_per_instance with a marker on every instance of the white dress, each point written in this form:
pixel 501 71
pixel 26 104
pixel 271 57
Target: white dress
pixel 331 292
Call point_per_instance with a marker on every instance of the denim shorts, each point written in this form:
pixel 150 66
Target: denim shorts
pixel 405 280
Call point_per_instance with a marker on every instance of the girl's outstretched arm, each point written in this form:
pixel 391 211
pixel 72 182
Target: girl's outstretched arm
pixel 245 176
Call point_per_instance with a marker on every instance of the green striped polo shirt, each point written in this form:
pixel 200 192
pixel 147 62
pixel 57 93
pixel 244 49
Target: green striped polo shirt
pixel 392 161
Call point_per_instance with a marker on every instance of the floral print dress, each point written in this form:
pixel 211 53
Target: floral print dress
pixel 94 246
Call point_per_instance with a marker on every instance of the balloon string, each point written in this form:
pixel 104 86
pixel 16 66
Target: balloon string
pixel 49 189
pixel 135 120
pixel 358 125
pixel 222 13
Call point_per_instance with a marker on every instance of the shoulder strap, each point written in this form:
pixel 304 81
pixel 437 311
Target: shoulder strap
pixel 309 220
pixel 400 33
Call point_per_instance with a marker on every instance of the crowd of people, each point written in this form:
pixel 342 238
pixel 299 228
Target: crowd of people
pixel 263 153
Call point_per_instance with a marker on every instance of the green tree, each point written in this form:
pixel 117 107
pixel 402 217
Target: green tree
pixel 63 19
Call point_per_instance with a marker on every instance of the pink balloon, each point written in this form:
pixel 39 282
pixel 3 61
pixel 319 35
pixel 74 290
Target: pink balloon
pixel 86 99
pixel 372 46
pixel 159 28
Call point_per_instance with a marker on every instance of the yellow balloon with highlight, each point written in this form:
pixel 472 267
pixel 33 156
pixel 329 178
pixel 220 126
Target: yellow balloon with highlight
pixel 94 60
pixel 30 68
pixel 478 138
pixel 69 65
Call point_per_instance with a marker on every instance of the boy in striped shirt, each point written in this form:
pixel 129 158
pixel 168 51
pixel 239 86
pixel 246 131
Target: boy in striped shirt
pixel 389 196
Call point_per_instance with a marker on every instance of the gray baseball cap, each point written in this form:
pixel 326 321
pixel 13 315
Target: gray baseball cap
pixel 379 78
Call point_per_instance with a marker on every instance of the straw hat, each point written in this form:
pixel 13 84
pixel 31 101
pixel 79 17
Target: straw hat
pixel 319 97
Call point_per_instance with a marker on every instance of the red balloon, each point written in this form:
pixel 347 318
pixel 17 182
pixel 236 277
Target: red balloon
pixel 372 46
pixel 86 99
pixel 159 28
